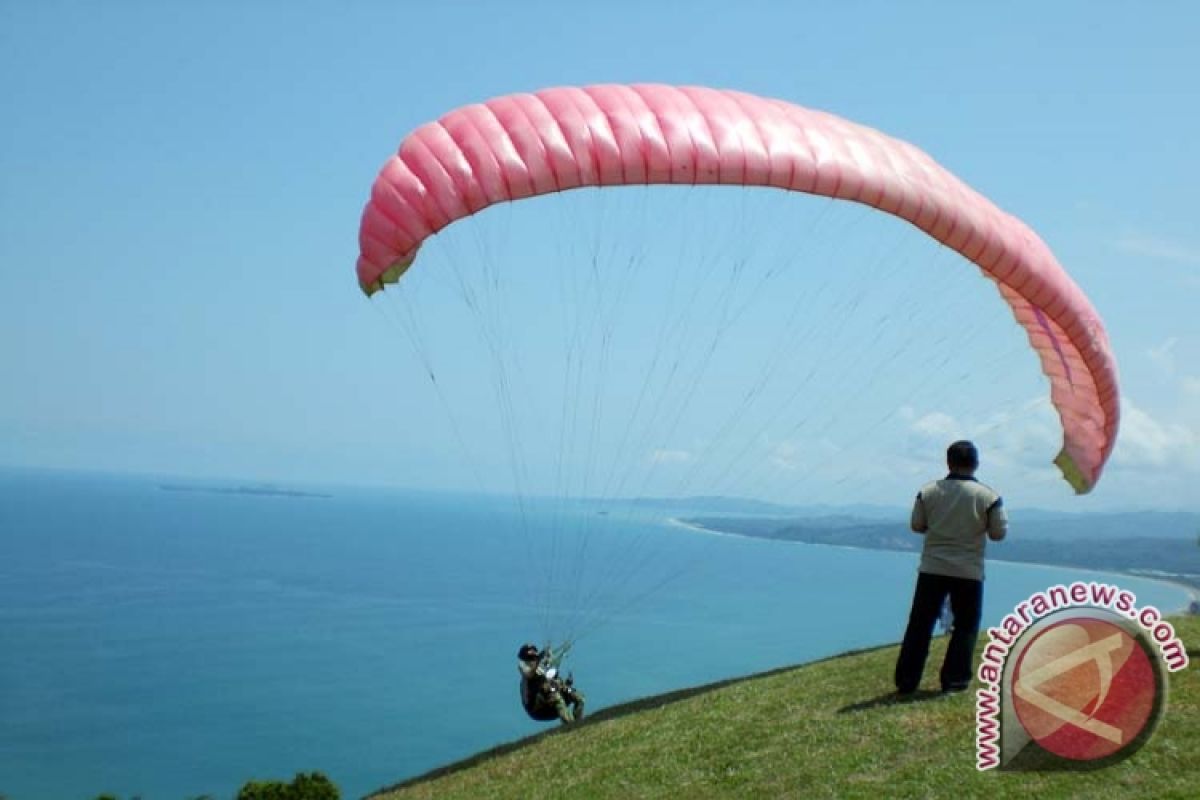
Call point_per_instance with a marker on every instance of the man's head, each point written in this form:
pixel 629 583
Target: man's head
pixel 962 457
pixel 528 652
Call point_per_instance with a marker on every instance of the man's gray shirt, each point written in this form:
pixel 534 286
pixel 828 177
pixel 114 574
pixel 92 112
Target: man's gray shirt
pixel 957 515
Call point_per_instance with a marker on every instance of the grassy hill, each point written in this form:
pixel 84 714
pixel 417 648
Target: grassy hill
pixel 826 729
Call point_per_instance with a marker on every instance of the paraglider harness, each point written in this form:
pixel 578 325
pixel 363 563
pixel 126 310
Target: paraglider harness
pixel 545 695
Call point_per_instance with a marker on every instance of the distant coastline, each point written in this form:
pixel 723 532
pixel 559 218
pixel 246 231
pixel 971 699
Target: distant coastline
pixel 258 491
pixel 1172 561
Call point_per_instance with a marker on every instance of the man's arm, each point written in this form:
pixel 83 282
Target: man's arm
pixel 997 527
pixel 918 522
pixel 551 659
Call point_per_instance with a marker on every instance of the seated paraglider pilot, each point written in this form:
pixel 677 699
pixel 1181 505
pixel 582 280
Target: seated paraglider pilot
pixel 544 694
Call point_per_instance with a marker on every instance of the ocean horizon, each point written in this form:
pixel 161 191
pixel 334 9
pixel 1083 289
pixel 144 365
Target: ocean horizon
pixel 169 639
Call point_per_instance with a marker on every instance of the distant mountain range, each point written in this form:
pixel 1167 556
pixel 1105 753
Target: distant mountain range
pixel 1161 544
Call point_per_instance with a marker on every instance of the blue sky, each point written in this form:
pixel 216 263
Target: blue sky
pixel 181 187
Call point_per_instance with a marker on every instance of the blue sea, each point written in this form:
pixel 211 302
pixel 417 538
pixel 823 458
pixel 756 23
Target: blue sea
pixel 167 644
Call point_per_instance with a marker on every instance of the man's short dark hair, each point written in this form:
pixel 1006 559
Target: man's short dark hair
pixel 962 455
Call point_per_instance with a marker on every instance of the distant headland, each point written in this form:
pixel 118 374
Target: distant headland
pixel 262 491
pixel 1162 545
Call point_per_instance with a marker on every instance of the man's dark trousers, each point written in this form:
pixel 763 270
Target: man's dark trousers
pixel 966 601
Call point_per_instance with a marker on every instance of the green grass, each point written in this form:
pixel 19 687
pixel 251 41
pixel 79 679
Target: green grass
pixel 826 729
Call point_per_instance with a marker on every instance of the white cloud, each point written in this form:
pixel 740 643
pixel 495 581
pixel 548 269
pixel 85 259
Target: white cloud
pixel 670 456
pixel 1147 442
pixel 784 456
pixel 1163 356
pixel 937 424
pixel 1031 426
pixel 791 455
pixel 1028 436
pixel 1021 440
pixel 1154 247
pixel 1156 462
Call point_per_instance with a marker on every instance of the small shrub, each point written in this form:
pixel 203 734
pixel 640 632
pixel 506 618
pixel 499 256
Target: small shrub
pixel 310 786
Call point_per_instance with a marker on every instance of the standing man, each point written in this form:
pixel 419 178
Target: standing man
pixel 955 514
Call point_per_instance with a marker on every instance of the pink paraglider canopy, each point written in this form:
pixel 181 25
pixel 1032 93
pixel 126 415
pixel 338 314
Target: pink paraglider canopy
pixel 564 138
